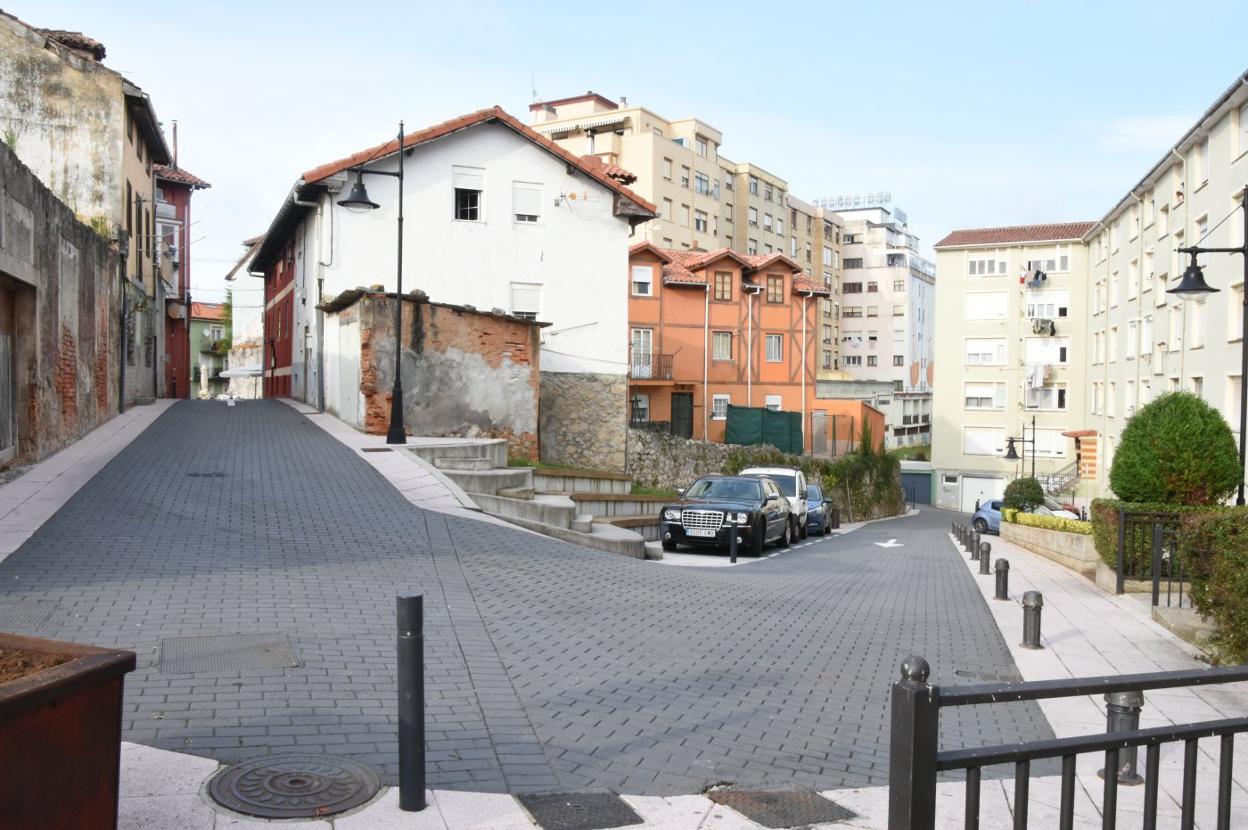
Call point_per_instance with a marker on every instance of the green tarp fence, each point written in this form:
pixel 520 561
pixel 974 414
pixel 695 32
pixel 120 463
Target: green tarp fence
pixel 757 425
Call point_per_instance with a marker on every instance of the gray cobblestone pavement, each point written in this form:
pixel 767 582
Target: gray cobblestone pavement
pixel 547 665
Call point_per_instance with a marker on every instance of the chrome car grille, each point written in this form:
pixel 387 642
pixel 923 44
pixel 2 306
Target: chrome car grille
pixel 708 519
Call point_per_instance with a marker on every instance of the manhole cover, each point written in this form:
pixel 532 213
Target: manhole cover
pixel 205 475
pixel 375 449
pixel 781 808
pixel 294 786
pixel 25 615
pixel 578 811
pixel 226 653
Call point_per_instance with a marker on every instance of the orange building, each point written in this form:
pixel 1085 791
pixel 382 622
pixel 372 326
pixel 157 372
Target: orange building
pixel 715 328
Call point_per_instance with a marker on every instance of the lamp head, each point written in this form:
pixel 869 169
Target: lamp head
pixel 358 201
pixel 1011 454
pixel 1192 286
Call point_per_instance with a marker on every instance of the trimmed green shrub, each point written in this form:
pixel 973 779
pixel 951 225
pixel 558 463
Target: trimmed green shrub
pixel 1214 551
pixel 1139 554
pixel 1059 523
pixel 1023 494
pixel 1176 450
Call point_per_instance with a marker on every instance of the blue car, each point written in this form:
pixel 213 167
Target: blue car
pixel 817 519
pixel 987 518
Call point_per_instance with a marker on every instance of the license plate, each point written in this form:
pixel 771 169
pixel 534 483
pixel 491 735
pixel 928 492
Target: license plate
pixel 699 531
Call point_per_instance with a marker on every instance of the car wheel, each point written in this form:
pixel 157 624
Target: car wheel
pixel 669 545
pixel 826 528
pixel 981 526
pixel 805 531
pixel 787 538
pixel 759 539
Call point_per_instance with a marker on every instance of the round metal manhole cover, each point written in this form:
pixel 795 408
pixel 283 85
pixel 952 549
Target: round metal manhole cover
pixel 294 786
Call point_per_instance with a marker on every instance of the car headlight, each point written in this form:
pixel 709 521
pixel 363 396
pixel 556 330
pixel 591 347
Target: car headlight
pixel 671 515
pixel 739 518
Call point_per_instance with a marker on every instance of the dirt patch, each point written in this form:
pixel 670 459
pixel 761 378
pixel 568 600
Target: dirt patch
pixel 17 663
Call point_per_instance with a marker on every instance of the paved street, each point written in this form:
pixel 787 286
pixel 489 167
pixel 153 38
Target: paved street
pixel 548 665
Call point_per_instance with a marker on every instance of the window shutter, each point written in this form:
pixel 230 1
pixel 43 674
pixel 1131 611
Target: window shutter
pixel 526 297
pixel 527 198
pixel 468 178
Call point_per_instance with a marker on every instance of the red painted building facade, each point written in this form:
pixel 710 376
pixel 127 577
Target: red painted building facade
pixel 174 188
pixel 279 315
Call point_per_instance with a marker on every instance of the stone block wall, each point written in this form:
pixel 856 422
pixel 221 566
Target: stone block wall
pixel 657 459
pixel 1075 551
pixel 584 420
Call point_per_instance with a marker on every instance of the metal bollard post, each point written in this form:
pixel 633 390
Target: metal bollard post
pixel 1122 714
pixel 1033 602
pixel 985 552
pixel 1003 579
pixel 972 544
pixel 411 651
pixel 732 542
pixel 955 528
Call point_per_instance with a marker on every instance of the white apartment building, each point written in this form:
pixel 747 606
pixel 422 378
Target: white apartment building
pixel 888 306
pixel 1125 338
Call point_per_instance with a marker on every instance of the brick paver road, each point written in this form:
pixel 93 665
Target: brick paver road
pixel 548 665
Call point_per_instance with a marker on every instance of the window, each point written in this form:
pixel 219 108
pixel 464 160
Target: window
pixel 853 360
pixel 1196 328
pixel 899 285
pixel 700 145
pixel 728 213
pixel 852 311
pixel 1163 221
pixel 526 299
pixel 1048 305
pixel 216 332
pixel 723 285
pixel 1046 350
pixel 899 360
pixel 469 184
pixel 684 216
pixel 768 193
pixel 699 221
pixel 851 288
pixel 873 288
pixel 985 352
pixel 643 279
pixel 751 216
pixel 766 221
pixel 721 345
pixel 701 184
pixel 873 311
pixel 990 266
pixel 899 310
pixel 775 348
pixel 986 305
pixel 1052 398
pixel 669 211
pixel 773 402
pixel 775 288
pixel 753 185
pixel 983 440
pixel 793 247
pixel 667 169
pixel 684 176
pixel 640 411
pixel 526 200
pixel 853 262
pixel 1133 339
pixel 779 224
pixel 872 360
pixel 719 406
pixel 984 395
pixel 1050 443
pixel 1115 289
pixel 751 246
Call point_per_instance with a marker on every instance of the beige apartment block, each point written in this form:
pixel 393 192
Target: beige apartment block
pixel 815 244
pixel 1126 339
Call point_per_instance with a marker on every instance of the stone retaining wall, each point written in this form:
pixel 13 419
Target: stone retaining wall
pixel 1075 551
pixel 583 420
pixel 657 459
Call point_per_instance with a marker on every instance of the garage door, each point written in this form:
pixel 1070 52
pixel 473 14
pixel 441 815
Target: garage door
pixel 918 487
pixel 980 488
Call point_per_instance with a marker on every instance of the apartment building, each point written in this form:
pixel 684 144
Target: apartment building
pixel 888 303
pixel 1012 317
pixel 1119 340
pixel 815 245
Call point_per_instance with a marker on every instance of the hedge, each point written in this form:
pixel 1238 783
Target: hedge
pixel 1059 523
pixel 1023 494
pixel 1214 548
pixel 1139 554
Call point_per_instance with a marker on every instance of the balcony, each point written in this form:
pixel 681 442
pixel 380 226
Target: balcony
pixel 652 367
pixel 214 345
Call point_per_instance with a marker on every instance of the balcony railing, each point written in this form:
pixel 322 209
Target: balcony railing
pixel 647 366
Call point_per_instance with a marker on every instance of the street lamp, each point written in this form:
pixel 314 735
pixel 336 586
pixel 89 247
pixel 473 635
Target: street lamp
pixel 1011 454
pixel 1193 287
pixel 358 202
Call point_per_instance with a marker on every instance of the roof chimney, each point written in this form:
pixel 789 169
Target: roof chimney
pixel 623 101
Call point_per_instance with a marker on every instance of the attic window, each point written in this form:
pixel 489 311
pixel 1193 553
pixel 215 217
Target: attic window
pixel 469 184
pixel 526 199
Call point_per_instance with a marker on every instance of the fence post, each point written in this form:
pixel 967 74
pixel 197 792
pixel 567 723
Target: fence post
pixel 1157 543
pixel 985 552
pixel 1119 585
pixel 1122 714
pixel 912 749
pixel 411 670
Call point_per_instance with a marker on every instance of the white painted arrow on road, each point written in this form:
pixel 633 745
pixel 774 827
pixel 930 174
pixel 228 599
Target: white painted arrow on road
pixel 891 543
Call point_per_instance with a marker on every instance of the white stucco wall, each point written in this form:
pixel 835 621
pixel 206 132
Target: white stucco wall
pixel 577 251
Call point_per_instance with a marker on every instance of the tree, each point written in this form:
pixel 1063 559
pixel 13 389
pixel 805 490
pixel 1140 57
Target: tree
pixel 1176 450
pixel 1023 494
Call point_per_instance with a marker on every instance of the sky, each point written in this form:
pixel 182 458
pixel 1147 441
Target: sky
pixel 970 114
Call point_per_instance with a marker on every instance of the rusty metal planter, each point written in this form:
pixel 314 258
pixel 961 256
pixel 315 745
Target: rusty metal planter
pixel 60 738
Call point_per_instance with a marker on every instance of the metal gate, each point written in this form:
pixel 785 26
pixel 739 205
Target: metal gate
pixel 682 414
pixel 819 432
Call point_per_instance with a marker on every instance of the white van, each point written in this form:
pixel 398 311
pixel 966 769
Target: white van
pixel 792 483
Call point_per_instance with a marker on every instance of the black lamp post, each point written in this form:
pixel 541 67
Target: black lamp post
pixel 1011 454
pixel 358 202
pixel 1193 287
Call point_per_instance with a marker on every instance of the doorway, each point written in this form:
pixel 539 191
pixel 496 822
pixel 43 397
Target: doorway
pixel 682 414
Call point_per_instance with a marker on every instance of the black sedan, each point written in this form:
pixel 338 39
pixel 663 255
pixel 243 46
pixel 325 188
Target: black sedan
pixel 713 505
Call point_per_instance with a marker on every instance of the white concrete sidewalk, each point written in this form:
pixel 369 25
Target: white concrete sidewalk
pixel 33 497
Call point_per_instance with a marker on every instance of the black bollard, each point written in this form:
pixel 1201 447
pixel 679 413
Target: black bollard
pixel 1122 714
pixel 985 552
pixel 1003 579
pixel 411 670
pixel 1033 602
pixel 972 544
pixel 732 543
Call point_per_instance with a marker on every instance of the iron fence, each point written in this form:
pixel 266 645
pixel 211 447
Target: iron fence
pixel 1148 550
pixel 915 762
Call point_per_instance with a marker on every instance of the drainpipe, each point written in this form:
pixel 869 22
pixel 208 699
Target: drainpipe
pixel 752 291
pixel 706 366
pixel 805 307
pixel 121 341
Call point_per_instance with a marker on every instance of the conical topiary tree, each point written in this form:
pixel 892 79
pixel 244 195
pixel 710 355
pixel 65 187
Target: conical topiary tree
pixel 1176 450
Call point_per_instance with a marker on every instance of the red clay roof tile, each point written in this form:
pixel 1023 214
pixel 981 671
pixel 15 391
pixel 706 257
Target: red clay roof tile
pixel 177 174
pixel 1016 233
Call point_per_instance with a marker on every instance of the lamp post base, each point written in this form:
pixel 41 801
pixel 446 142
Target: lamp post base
pixel 396 434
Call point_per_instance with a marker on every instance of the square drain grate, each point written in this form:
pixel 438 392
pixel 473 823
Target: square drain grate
pixel 578 811
pixel 781 808
pixel 22 615
pixel 375 449
pixel 225 653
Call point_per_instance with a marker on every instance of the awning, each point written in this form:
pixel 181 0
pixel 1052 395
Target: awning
pixel 584 124
pixel 252 370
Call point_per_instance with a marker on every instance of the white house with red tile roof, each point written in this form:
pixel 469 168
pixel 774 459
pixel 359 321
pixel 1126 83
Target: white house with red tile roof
pixel 497 217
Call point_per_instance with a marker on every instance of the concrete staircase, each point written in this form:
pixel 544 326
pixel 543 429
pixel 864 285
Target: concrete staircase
pixel 519 496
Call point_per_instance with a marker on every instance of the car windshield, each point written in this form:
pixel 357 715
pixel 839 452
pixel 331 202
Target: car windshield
pixel 788 484
pixel 813 494
pixel 724 488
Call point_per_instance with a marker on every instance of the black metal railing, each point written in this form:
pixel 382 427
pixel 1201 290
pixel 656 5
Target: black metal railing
pixel 650 426
pixel 915 761
pixel 1148 549
pixel 647 366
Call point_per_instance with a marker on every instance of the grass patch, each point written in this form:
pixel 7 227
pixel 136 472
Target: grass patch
pixel 918 452
pixel 519 462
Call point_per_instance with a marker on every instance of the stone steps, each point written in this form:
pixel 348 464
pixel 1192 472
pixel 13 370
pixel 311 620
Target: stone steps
pixel 608 505
pixel 555 480
pixel 494 449
pixel 491 481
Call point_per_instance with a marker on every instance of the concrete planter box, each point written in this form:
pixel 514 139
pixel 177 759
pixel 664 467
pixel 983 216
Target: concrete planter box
pixel 1107 580
pixel 60 737
pixel 1072 550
